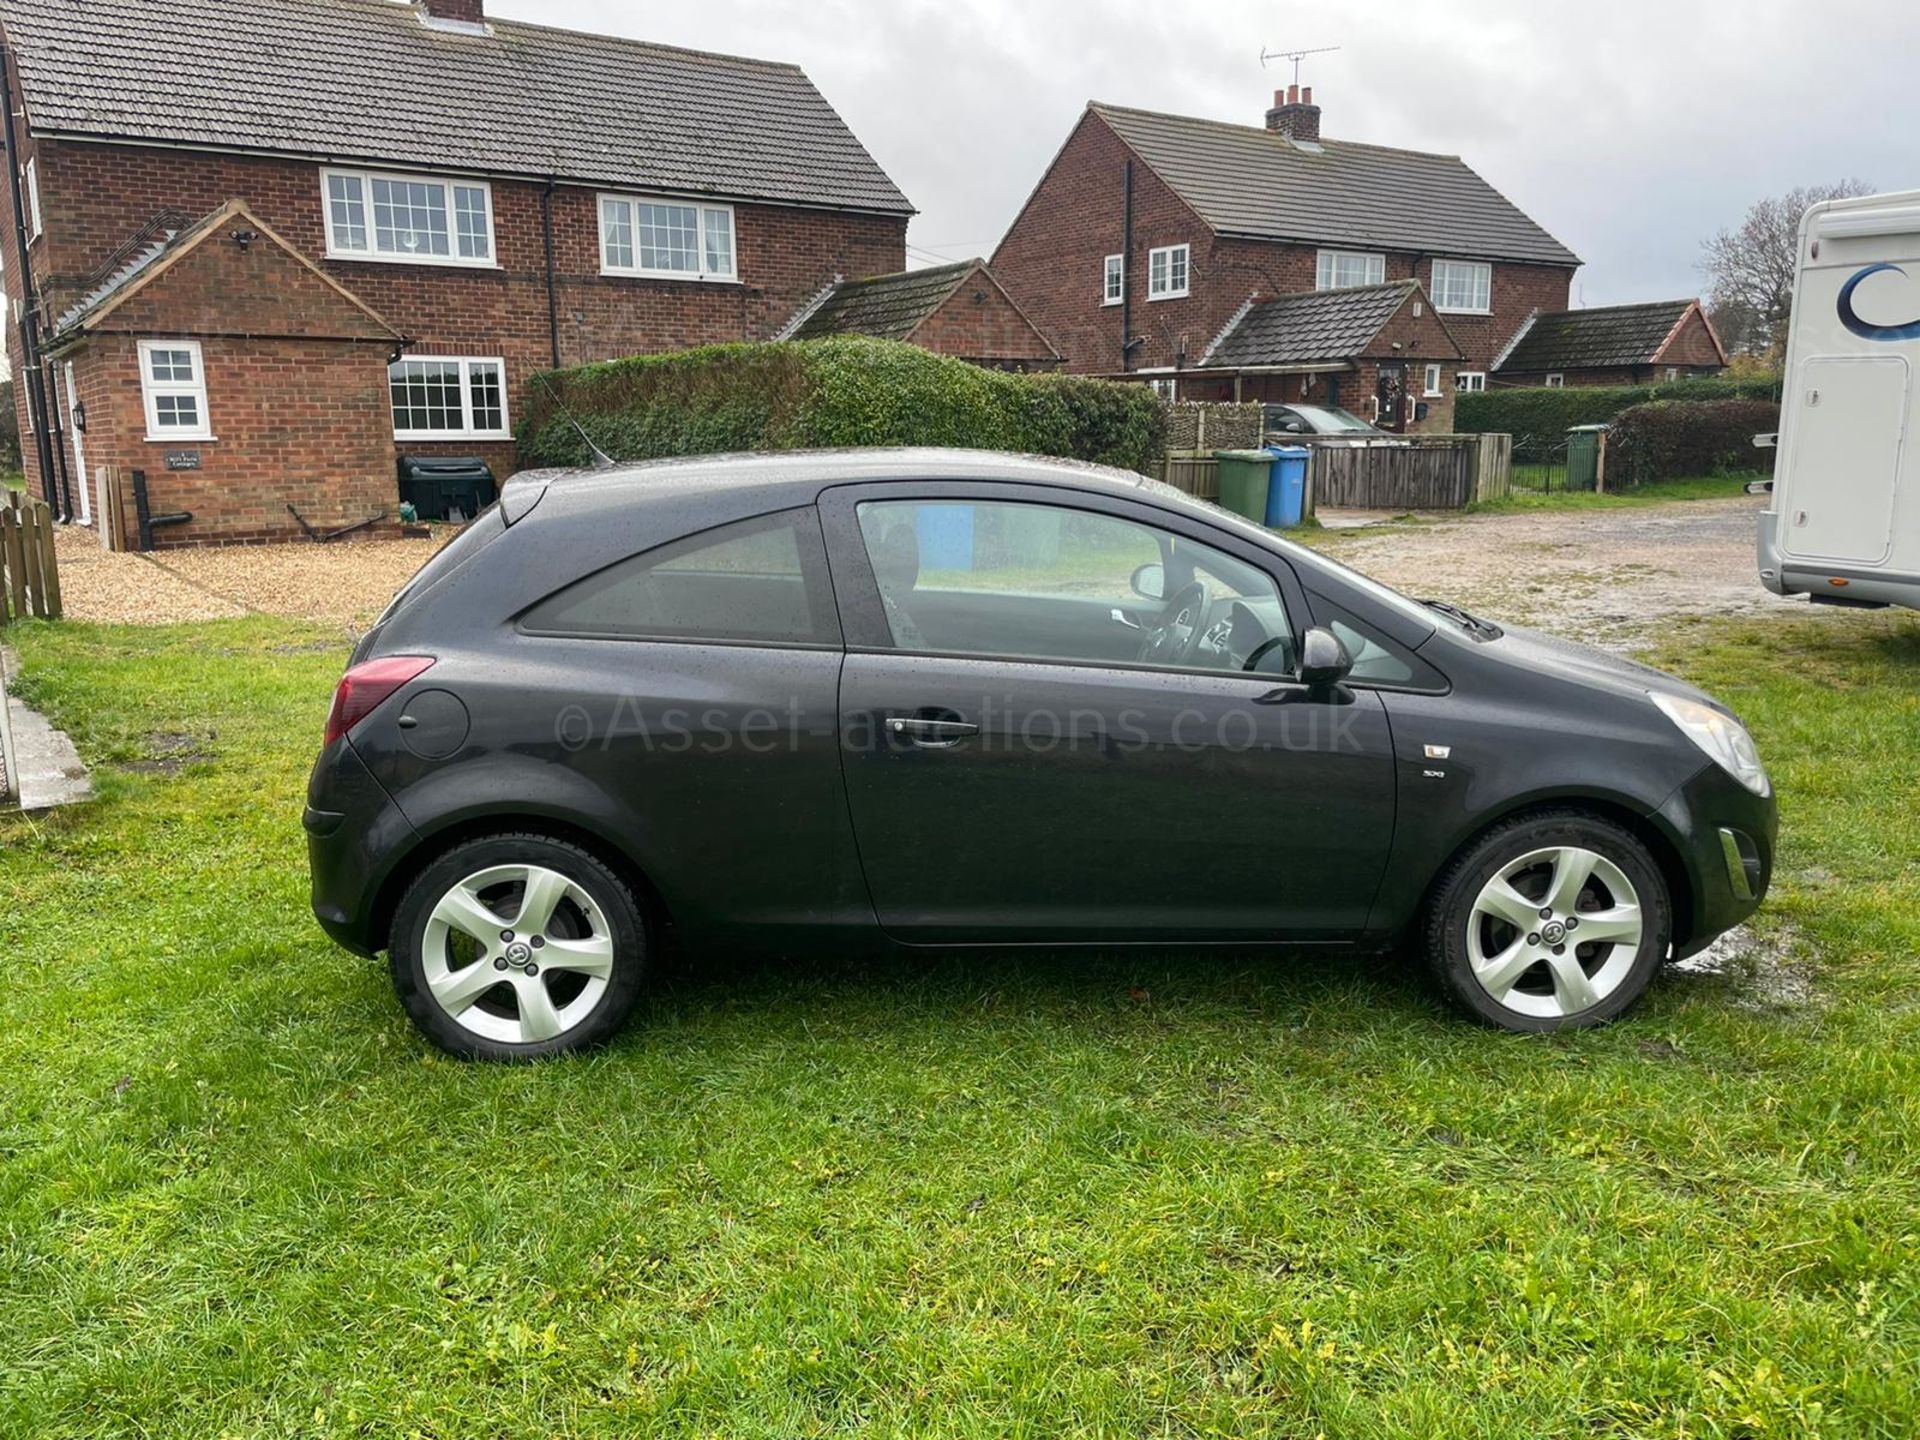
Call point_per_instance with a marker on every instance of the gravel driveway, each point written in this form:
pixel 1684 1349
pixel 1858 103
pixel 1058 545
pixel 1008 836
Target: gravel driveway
pixel 1607 577
pixel 349 581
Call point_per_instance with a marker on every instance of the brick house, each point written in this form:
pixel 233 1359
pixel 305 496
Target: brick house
pixel 271 245
pixel 1149 234
pixel 1659 341
pixel 958 310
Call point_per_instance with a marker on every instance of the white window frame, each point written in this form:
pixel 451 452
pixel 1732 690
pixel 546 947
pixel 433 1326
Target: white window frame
pixel 1482 271
pixel 372 254
pixel 1167 387
pixel 1433 379
pixel 152 390
pixel 32 176
pixel 702 208
pixel 1114 280
pixel 1673 375
pixel 1164 281
pixel 1556 380
pixel 466 364
pixel 1470 382
pixel 1326 269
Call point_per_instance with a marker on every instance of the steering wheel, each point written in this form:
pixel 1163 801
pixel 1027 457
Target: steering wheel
pixel 1170 639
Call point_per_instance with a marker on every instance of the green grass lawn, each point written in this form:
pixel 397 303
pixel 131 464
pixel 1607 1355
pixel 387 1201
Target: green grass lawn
pixel 1702 487
pixel 1041 1195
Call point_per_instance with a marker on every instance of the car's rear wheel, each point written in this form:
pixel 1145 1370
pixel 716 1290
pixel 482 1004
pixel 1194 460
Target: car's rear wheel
pixel 517 947
pixel 1549 922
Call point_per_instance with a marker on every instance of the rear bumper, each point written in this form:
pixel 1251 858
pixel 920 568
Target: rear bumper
pixel 1726 836
pixel 354 833
pixel 1837 583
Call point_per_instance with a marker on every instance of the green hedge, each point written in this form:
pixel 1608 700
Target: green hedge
pixel 788 395
pixel 1551 413
pixel 1669 439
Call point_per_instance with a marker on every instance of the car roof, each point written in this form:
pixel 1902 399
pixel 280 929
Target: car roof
pixel 807 472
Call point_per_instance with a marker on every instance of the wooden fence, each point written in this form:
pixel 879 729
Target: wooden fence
pixel 29 572
pixel 1417 472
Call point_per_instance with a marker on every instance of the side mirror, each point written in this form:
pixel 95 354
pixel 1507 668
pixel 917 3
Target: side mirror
pixel 1324 661
pixel 1149 582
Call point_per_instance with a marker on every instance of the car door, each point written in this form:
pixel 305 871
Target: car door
pixel 1035 751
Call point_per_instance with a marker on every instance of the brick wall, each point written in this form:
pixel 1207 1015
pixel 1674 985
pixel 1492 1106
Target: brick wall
pixel 96 196
pixel 1051 262
pixel 979 323
pixel 305 423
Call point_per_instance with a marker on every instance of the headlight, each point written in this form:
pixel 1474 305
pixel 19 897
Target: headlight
pixel 1724 738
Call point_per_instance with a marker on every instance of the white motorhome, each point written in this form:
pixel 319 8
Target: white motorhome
pixel 1844 525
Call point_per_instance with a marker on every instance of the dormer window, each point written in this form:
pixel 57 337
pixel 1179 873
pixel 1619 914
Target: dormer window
pixel 408 219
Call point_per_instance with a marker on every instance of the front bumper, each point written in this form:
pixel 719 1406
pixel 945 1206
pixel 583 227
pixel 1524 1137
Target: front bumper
pixel 1725 835
pixel 355 834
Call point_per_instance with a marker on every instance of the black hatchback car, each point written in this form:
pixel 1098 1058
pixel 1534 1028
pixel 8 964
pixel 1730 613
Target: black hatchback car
pixel 956 698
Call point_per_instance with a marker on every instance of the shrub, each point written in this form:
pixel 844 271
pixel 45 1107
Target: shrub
pixel 1551 413
pixel 851 390
pixel 1672 438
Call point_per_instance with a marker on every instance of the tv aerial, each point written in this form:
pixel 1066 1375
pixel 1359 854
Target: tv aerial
pixel 1296 56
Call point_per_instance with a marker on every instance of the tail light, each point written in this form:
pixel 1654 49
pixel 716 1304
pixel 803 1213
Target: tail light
pixel 364 688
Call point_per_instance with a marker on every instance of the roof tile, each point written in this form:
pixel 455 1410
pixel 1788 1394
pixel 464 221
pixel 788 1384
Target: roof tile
pixel 1246 180
pixel 1614 335
pixel 367 80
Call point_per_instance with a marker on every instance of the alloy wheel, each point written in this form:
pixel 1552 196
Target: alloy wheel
pixel 517 953
pixel 1555 932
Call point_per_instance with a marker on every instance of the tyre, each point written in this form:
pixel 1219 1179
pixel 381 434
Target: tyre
pixel 518 947
pixel 1552 921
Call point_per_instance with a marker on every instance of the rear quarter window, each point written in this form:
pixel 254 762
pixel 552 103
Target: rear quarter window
pixel 759 581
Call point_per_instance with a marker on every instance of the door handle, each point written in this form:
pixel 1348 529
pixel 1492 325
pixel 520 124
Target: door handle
pixel 931 734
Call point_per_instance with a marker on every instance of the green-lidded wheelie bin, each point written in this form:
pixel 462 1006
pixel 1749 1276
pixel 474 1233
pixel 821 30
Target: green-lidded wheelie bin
pixel 1245 476
pixel 1583 457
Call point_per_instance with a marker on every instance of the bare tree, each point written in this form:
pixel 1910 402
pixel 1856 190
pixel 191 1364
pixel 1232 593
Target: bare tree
pixel 1750 270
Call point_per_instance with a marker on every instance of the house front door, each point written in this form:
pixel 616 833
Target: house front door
pixel 1393 397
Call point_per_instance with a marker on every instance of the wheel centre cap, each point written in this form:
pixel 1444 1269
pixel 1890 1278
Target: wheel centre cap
pixel 518 953
pixel 1552 933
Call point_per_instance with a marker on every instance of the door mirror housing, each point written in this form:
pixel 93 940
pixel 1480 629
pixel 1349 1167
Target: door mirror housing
pixel 1324 661
pixel 1149 582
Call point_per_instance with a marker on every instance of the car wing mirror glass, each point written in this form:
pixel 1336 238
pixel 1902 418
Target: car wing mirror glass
pixel 1150 582
pixel 1324 661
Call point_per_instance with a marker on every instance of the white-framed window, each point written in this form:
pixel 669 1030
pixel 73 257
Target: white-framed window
pixel 1673 373
pixel 449 397
pixel 1115 282
pixel 1469 382
pixel 1432 386
pixel 1167 387
pixel 1556 381
pixel 33 199
pixel 1343 269
pixel 407 219
pixel 666 239
pixel 1167 272
pixel 1463 287
pixel 173 382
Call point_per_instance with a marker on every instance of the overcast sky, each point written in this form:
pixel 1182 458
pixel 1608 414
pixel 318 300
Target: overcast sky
pixel 1630 129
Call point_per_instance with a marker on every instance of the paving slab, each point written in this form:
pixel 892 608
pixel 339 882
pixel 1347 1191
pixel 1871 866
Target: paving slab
pixel 48 768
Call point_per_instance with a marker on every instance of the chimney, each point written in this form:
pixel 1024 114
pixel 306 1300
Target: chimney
pixel 460 12
pixel 1294 114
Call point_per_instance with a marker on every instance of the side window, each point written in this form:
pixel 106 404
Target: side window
pixel 761 580
pixel 1045 582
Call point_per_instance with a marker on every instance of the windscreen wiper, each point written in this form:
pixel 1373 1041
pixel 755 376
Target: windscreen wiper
pixel 1485 629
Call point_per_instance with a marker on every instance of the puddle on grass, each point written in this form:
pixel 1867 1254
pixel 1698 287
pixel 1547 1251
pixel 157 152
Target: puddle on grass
pixel 1756 967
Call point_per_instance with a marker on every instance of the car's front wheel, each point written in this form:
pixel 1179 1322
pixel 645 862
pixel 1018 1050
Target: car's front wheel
pixel 517 947
pixel 1549 922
